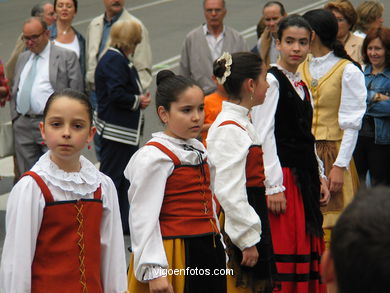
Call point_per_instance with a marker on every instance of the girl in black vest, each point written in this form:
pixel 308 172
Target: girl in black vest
pixel 295 184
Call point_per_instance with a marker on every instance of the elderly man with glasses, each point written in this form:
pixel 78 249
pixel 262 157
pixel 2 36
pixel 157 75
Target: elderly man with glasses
pixel 41 70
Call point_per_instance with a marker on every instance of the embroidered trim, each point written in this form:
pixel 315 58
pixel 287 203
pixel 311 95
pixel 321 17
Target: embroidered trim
pixel 80 232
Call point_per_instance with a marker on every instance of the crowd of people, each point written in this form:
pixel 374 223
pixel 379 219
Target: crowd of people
pixel 261 153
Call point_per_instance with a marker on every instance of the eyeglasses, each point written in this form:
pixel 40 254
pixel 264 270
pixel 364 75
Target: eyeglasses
pixel 33 37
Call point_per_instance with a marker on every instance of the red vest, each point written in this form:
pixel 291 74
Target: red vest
pixel 67 254
pixel 254 167
pixel 187 208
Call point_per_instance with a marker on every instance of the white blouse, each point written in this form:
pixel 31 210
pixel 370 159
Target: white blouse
pixel 263 117
pixel 228 147
pixel 148 171
pixel 352 105
pixel 73 46
pixel 24 216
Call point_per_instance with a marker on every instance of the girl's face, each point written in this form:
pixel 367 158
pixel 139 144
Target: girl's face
pixel 376 53
pixel 260 88
pixel 66 129
pixel 65 9
pixel 293 47
pixel 185 117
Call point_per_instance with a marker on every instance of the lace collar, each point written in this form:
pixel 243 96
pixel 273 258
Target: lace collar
pixel 322 59
pixel 293 77
pixel 84 182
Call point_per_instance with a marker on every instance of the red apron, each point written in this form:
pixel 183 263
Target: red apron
pixel 187 208
pixel 67 254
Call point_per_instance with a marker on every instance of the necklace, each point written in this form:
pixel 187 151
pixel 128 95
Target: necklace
pixel 64 32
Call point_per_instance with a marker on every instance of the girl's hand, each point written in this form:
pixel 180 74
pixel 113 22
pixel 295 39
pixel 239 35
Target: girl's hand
pixel 145 100
pixel 160 285
pixel 336 179
pixel 250 256
pixel 277 203
pixel 325 193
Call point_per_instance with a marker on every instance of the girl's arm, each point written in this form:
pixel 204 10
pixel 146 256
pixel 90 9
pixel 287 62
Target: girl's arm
pixel 147 172
pixel 227 150
pixel 113 258
pixel 23 220
pixel 263 117
pixel 351 111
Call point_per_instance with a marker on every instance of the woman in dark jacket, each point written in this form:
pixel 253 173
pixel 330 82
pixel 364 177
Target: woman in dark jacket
pixel 120 103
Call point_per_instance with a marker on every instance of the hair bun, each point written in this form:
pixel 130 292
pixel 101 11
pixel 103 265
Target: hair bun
pixel 164 74
pixel 219 68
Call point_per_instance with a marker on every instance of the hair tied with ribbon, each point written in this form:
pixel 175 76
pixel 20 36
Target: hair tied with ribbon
pixel 228 62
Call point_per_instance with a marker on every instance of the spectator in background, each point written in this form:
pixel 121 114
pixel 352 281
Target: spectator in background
pixel 260 27
pixel 98 38
pixel 41 70
pixel 372 151
pixel 358 260
pixel 46 11
pixel 346 17
pixel 273 12
pixel 120 101
pixel 370 16
pixel 4 88
pixel 64 34
pixel 206 43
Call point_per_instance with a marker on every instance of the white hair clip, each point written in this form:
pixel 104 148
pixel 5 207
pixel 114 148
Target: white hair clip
pixel 228 62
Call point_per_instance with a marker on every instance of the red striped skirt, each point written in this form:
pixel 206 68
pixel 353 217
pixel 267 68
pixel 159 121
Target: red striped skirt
pixel 297 254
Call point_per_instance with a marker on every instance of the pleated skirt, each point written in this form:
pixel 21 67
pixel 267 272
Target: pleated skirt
pixel 297 254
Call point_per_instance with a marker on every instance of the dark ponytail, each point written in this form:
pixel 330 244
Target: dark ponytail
pixel 324 23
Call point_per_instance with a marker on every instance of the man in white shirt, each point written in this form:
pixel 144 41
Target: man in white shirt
pixel 41 70
pixel 46 11
pixel 206 43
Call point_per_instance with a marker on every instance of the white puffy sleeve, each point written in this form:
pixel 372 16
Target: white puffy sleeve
pixel 263 117
pixel 147 172
pixel 228 148
pixel 113 258
pixel 23 221
pixel 351 111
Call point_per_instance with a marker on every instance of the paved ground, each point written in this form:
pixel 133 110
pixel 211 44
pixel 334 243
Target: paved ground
pixel 168 22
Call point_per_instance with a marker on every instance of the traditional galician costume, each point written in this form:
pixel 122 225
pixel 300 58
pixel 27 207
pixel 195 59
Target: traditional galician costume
pixel 339 95
pixel 236 162
pixel 63 232
pixel 292 166
pixel 173 223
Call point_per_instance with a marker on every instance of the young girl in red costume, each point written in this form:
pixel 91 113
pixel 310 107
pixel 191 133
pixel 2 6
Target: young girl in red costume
pixel 172 214
pixel 237 167
pixel 293 171
pixel 63 224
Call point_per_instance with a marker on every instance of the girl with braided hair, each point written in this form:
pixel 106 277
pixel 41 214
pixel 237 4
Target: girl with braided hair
pixel 339 93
